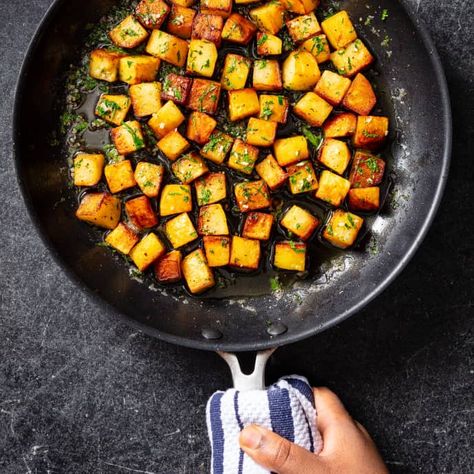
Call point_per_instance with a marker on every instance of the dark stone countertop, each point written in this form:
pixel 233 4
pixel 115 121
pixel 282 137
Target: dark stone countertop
pixel 82 393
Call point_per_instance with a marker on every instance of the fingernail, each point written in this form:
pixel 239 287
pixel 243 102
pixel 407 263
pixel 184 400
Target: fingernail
pixel 251 437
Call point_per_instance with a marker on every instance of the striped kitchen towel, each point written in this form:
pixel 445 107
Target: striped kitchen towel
pixel 286 407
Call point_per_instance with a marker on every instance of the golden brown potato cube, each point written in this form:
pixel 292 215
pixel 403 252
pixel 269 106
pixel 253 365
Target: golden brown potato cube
pixel 183 3
pixel 208 27
pixel 176 88
pixel 211 188
pixel 104 65
pixel 212 220
pixel 258 226
pixel 242 157
pixel 180 21
pixel 128 138
pixel 367 170
pixel 235 71
pixel 238 29
pixel 274 108
pixel 175 199
pixel 147 251
pixel 300 222
pixel 342 228
pixel 168 268
pixel 196 271
pixel 202 58
pixel 167 119
pixel 267 75
pixel 129 33
pixel 217 7
pixel 269 17
pixel 100 209
pixel 217 147
pixel 271 172
pixel 244 253
pixel 173 145
pixel 137 69
pixel 364 199
pixel 291 150
pixel 200 126
pixel 180 230
pixel 243 103
pixel 122 238
pixel 300 6
pixel 332 188
pixel 371 132
pixel 289 255
pixel 303 27
pixel 300 71
pixel 360 97
pixel 152 13
pixel 313 109
pixel 217 250
pixel 119 176
pixel 302 177
pixel 339 30
pixel 149 178
pixel 340 125
pixel 352 59
pixel 261 132
pixel 268 45
pixel 189 167
pixel 204 96
pixel 318 47
pixel 335 154
pixel 252 195
pixel 332 87
pixel 140 212
pixel 146 98
pixel 88 168
pixel 168 48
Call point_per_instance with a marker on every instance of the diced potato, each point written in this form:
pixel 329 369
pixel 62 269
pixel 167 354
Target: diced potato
pixel 339 30
pixel 217 148
pixel 300 71
pixel 252 195
pixel 340 125
pixel 245 2
pixel 291 150
pixel 140 212
pixel 180 230
pixel 332 87
pixel 149 178
pixel 189 167
pixel 137 69
pixel 183 3
pixel 208 27
pixel 168 48
pixel 364 199
pixel 211 188
pixel 300 6
pixel 243 103
pixel 100 209
pixel 300 222
pixel 268 45
pixel 367 170
pixel 88 168
pixel 204 96
pixel 212 220
pixel 119 176
pixel 168 268
pixel 129 33
pixel 235 71
pixel 180 21
pixel 122 238
pixel 152 13
pixel 202 58
pixel 271 172
pixel 217 7
pixel 261 132
pixel 313 109
pixel 332 188
pixel 238 29
pixel 244 253
pixel 360 97
pixel 217 250
pixel 200 127
pixel 266 75
pixel 342 228
pixel 196 271
pixel 173 145
pixel 176 88
pixel 303 27
pixel 289 255
pixel 352 59
pixel 269 17
pixel 318 47
pixel 335 154
pixel 167 119
pixel 274 108
pixel 147 251
pixel 302 178
pixel 128 138
pixel 146 98
pixel 371 132
pixel 258 226
pixel 104 65
pixel 243 157
pixel 175 199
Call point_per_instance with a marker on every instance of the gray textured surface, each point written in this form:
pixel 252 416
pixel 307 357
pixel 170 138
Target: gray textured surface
pixel 81 393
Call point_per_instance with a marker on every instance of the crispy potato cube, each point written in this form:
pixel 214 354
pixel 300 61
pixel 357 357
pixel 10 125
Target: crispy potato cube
pixel 152 13
pixel 176 88
pixel 196 271
pixel 202 58
pixel 238 29
pixel 243 103
pixel 217 7
pixel 128 138
pixel 167 119
pixel 149 178
pixel 217 250
pixel 371 132
pixel 303 27
pixel 173 145
pixel 100 209
pixel 274 108
pixel 218 146
pixel 269 17
pixel 332 87
pixel 342 228
pixel 300 6
pixel 180 230
pixel 147 251
pixel 235 71
pixel 200 127
pixel 313 109
pixel 258 226
pixel 104 65
pixel 367 170
pixel 140 212
pixel 291 150
pixel 168 48
pixel 129 33
pixel 175 199
pixel 335 154
pixel 318 46
pixel 208 27
pixel 252 195
pixel 146 98
pixel 119 176
pixel 289 255
pixel 300 222
pixel 268 45
pixel 204 96
pixel 183 3
pixel 180 21
pixel 88 168
pixel 300 71
pixel 137 69
pixel 212 220
pixel 360 97
pixel 271 172
pixel 242 157
pixel 261 132
pixel 189 167
pixel 122 238
pixel 364 199
pixel 244 253
pixel 302 177
pixel 168 268
pixel 267 75
pixel 352 59
pixel 211 188
pixel 339 30
pixel 340 125
pixel 332 188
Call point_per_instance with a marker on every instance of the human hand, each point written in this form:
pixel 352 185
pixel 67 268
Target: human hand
pixel 348 448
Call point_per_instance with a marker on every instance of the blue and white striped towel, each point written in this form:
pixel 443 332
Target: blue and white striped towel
pixel 287 408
